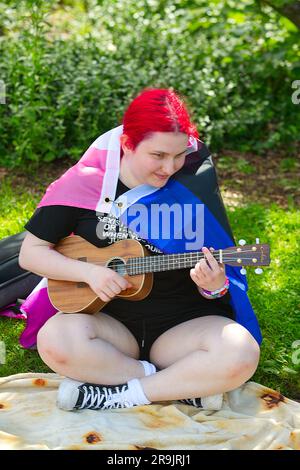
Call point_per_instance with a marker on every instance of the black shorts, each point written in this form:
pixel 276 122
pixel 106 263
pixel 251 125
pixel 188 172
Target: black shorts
pixel 147 330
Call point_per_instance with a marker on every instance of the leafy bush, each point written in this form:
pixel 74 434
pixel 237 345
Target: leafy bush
pixel 71 68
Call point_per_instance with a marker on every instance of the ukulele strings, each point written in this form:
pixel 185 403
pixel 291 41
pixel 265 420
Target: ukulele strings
pixel 199 255
pixel 180 258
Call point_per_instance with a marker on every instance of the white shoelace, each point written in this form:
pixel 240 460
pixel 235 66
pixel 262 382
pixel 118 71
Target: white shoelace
pixel 94 397
pixel 194 401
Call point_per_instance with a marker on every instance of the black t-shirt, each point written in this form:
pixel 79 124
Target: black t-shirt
pixel 173 291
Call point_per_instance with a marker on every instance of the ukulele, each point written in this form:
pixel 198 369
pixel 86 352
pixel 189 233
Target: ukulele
pixel 132 260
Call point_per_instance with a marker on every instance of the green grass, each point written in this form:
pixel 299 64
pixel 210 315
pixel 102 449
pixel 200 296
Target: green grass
pixel 16 207
pixel 274 294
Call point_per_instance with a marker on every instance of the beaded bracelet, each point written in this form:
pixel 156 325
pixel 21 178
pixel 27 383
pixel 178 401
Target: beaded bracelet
pixel 216 293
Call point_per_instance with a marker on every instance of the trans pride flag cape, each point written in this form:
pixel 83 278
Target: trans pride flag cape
pixel 91 184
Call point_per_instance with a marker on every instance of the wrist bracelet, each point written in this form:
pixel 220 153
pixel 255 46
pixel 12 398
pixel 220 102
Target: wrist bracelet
pixel 216 293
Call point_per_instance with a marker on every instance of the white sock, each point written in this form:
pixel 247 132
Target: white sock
pixel 148 368
pixel 135 393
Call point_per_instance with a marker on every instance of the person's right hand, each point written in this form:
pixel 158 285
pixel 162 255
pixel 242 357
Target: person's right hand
pixel 106 283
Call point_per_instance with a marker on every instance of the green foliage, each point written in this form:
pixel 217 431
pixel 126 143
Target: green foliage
pixel 71 68
pixel 288 164
pixel 240 164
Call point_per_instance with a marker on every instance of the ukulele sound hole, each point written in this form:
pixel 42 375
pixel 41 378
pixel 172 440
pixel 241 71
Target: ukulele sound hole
pixel 118 265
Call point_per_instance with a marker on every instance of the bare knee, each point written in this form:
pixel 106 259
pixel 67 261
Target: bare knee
pixel 56 340
pixel 241 361
pixel 49 345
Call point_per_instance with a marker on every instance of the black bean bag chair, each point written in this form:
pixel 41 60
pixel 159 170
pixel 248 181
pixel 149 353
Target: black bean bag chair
pixel 15 282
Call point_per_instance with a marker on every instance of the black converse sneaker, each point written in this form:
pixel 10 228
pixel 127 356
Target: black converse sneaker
pixel 213 402
pixel 74 395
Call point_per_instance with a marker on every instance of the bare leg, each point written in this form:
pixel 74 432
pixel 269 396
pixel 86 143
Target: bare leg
pixel 90 348
pixel 201 357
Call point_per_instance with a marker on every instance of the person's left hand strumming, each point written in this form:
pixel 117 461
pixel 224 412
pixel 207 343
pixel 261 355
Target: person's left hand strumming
pixel 208 274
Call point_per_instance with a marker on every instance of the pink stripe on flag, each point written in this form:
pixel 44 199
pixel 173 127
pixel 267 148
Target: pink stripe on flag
pixel 82 180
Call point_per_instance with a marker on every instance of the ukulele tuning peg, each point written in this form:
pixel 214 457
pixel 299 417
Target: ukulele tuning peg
pixel 242 242
pixel 258 271
pixel 243 271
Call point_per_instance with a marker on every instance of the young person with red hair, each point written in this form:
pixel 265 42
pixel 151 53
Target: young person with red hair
pixel 183 341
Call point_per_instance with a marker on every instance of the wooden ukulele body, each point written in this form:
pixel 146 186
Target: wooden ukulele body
pixel 78 297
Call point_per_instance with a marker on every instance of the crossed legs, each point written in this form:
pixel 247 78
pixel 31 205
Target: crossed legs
pixel 200 357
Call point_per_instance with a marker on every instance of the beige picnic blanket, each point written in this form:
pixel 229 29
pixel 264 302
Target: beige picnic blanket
pixel 252 417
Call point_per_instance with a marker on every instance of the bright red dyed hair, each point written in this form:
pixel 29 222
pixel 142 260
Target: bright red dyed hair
pixel 156 110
